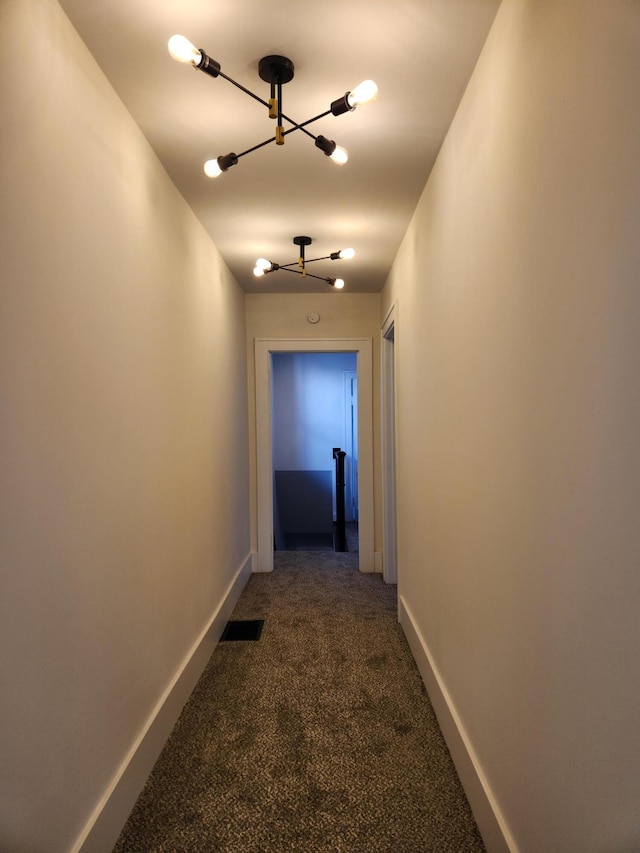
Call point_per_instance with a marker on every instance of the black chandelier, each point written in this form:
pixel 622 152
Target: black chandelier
pixel 275 70
pixel 263 266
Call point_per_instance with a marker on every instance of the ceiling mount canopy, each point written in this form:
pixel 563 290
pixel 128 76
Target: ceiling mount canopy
pixel 299 267
pixel 277 71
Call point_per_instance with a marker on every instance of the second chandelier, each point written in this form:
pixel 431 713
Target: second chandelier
pixel 263 266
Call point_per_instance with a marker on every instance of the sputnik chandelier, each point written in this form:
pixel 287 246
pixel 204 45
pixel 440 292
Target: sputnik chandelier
pixel 263 266
pixel 275 70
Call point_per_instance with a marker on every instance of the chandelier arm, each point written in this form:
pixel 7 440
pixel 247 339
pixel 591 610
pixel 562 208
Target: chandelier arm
pixel 301 127
pixel 297 127
pixel 311 260
pixel 273 139
pixel 286 269
pixel 309 120
pixel 307 275
pixel 319 277
pixel 244 89
pixel 255 147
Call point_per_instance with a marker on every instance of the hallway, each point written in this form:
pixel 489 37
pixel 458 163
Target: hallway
pixel 137 485
pixel 317 737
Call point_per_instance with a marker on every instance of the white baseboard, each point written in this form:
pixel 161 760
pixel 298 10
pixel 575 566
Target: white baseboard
pixel 491 823
pixel 377 562
pixel 105 824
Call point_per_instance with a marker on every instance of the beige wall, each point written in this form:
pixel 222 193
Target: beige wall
pixel 519 417
pixel 124 431
pixel 342 315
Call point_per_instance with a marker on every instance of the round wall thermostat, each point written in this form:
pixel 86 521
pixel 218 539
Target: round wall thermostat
pixel 313 316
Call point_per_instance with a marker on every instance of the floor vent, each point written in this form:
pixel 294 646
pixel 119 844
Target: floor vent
pixel 244 629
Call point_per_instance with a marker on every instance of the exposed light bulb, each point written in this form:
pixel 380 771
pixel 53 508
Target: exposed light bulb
pixel 212 168
pixel 338 284
pixel 363 93
pixel 329 147
pixel 258 271
pixel 263 264
pixel 339 155
pixel 182 50
pixel 347 254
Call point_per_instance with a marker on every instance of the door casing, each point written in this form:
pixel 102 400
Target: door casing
pixel 388 442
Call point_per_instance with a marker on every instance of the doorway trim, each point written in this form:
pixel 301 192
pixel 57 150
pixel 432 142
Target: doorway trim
pixel 264 462
pixel 388 441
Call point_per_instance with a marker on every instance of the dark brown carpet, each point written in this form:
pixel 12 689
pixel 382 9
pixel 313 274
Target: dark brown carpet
pixel 318 737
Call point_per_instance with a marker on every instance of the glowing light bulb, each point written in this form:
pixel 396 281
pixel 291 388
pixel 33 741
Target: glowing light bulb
pixel 363 93
pixel 347 254
pixel 212 168
pixel 182 50
pixel 338 284
pixel 258 271
pixel 339 155
pixel 263 264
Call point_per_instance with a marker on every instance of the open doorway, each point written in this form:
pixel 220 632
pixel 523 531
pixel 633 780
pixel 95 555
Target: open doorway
pixel 314 414
pixel 264 349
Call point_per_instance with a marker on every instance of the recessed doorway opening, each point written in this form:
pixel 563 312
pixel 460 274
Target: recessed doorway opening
pixel 361 481
pixel 314 450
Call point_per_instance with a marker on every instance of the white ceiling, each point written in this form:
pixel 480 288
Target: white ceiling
pixel 419 52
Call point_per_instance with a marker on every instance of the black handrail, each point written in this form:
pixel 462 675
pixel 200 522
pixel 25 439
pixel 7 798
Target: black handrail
pixel 340 541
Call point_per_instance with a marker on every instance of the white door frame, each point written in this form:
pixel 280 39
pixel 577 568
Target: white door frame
pixel 388 437
pixel 363 349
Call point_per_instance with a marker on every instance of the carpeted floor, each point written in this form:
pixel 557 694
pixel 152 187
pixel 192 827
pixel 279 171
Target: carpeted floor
pixel 318 737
